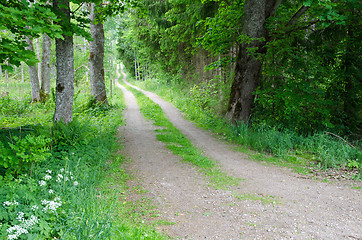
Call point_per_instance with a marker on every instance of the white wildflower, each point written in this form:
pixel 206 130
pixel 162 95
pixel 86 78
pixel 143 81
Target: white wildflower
pixel 16 231
pixel 20 217
pixel 62 170
pixel 42 183
pixel 47 177
pixel 34 207
pixel 49 171
pixel 51 191
pixel 50 205
pixel 7 203
pixel 28 223
pixel 66 179
pixel 75 183
pixel 60 176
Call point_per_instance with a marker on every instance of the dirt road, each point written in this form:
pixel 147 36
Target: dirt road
pixel 303 208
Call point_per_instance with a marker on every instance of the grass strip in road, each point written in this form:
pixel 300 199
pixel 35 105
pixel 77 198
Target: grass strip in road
pixel 180 145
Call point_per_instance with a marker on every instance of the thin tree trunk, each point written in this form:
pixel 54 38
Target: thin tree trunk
pixel 96 58
pixel 135 66
pixel 138 70
pixel 65 69
pixel 45 64
pixel 37 42
pixel 22 73
pixel 248 65
pixel 33 75
pixel 7 79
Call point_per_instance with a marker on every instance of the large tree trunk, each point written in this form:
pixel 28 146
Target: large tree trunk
pixel 33 75
pixel 96 56
pixel 248 65
pixel 65 69
pixel 45 64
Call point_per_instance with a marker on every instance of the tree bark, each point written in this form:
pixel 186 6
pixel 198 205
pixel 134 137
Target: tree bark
pixel 96 57
pixel 22 74
pixel 7 79
pixel 37 42
pixel 33 75
pixel 248 64
pixel 65 69
pixel 45 64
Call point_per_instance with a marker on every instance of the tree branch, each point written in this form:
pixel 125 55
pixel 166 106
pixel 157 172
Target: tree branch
pixel 297 15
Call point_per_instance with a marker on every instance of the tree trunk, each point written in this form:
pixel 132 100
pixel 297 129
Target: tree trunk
pixel 22 73
pixel 33 75
pixel 7 79
pixel 37 42
pixel 65 69
pixel 248 64
pixel 96 56
pixel 135 65
pixel 45 64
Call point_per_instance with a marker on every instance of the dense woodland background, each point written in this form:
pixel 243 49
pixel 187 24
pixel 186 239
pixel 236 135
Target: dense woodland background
pixel 310 79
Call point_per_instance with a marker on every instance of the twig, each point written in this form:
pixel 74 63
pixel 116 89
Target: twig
pixel 333 134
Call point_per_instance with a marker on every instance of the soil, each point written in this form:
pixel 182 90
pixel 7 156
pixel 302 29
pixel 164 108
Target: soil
pixel 303 208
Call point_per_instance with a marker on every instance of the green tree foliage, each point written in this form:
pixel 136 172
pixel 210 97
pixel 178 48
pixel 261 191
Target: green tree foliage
pixel 310 79
pixel 19 19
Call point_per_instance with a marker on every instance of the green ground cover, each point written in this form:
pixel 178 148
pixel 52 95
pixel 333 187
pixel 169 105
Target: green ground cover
pixel 65 182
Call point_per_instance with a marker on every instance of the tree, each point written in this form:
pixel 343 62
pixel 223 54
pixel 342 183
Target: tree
pixel 65 66
pixel 33 74
pixel 248 62
pixel 96 55
pixel 45 64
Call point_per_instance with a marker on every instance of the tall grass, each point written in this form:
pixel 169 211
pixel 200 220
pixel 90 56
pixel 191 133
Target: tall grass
pixel 89 205
pixel 322 150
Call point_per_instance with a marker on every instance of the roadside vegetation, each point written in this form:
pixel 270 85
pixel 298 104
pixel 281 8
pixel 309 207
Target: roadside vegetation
pixel 304 153
pixel 62 181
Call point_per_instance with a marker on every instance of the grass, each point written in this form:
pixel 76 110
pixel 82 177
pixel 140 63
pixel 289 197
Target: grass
pixel 180 145
pixel 284 148
pixel 95 207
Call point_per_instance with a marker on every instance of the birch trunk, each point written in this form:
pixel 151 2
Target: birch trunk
pixel 65 69
pixel 7 79
pixel 33 75
pixel 96 57
pixel 45 64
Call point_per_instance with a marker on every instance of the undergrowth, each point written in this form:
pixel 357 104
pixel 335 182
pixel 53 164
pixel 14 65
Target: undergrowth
pixel 62 181
pixel 322 150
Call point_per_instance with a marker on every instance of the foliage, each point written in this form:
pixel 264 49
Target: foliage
pixel 24 153
pixel 309 81
pixel 60 197
pixel 19 19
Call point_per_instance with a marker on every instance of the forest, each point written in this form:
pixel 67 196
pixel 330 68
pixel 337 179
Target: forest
pixel 280 79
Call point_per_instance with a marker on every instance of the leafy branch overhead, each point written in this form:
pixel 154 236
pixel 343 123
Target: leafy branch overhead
pixel 34 18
